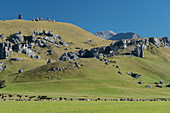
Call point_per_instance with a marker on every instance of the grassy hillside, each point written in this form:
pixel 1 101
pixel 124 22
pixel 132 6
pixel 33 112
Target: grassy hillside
pixel 70 32
pixel 95 79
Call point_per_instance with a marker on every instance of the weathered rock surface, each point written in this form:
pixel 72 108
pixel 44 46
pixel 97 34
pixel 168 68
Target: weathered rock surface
pixel 16 59
pixel 2 68
pixel 149 86
pixel 68 56
pixel 5 50
pixel 138 76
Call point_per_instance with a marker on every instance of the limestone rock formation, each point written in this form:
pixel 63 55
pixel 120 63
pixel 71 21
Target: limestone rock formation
pixel 2 36
pixel 2 68
pixel 68 56
pixel 18 36
pixel 141 45
pixel 5 50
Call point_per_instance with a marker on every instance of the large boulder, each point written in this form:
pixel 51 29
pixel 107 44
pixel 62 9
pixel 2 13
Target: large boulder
pixel 5 50
pixel 155 41
pixel 138 76
pixel 149 86
pixel 16 59
pixel 20 17
pixel 18 36
pixel 139 51
pixel 2 36
pixel 122 44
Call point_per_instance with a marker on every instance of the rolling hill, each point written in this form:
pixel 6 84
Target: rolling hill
pixel 93 79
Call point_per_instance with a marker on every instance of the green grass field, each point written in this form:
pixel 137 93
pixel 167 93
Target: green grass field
pixel 84 107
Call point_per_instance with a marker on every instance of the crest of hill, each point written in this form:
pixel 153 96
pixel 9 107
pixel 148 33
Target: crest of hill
pixel 69 32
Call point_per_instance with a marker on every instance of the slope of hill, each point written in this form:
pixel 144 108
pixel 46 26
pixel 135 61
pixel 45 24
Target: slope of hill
pixel 93 79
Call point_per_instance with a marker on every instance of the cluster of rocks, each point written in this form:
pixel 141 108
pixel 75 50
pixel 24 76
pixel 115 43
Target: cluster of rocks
pixel 20 17
pixel 69 56
pixel 107 62
pixel 158 84
pixel 109 51
pixel 25 44
pixel 138 76
pixel 41 19
pixel 50 37
pixel 140 44
pixel 17 97
pixel 67 67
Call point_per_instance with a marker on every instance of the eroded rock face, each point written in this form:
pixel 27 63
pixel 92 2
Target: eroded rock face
pixel 5 50
pixel 141 45
pixel 155 41
pixel 2 68
pixel 18 36
pixel 139 51
pixel 68 56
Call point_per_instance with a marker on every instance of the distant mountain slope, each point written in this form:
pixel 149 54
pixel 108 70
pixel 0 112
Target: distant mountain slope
pixel 111 35
pixel 105 34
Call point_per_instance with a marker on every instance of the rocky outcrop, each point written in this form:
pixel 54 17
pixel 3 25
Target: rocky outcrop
pixel 25 45
pixel 18 36
pixel 68 56
pixel 139 51
pixel 5 50
pixel 138 76
pixel 140 46
pixel 2 36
